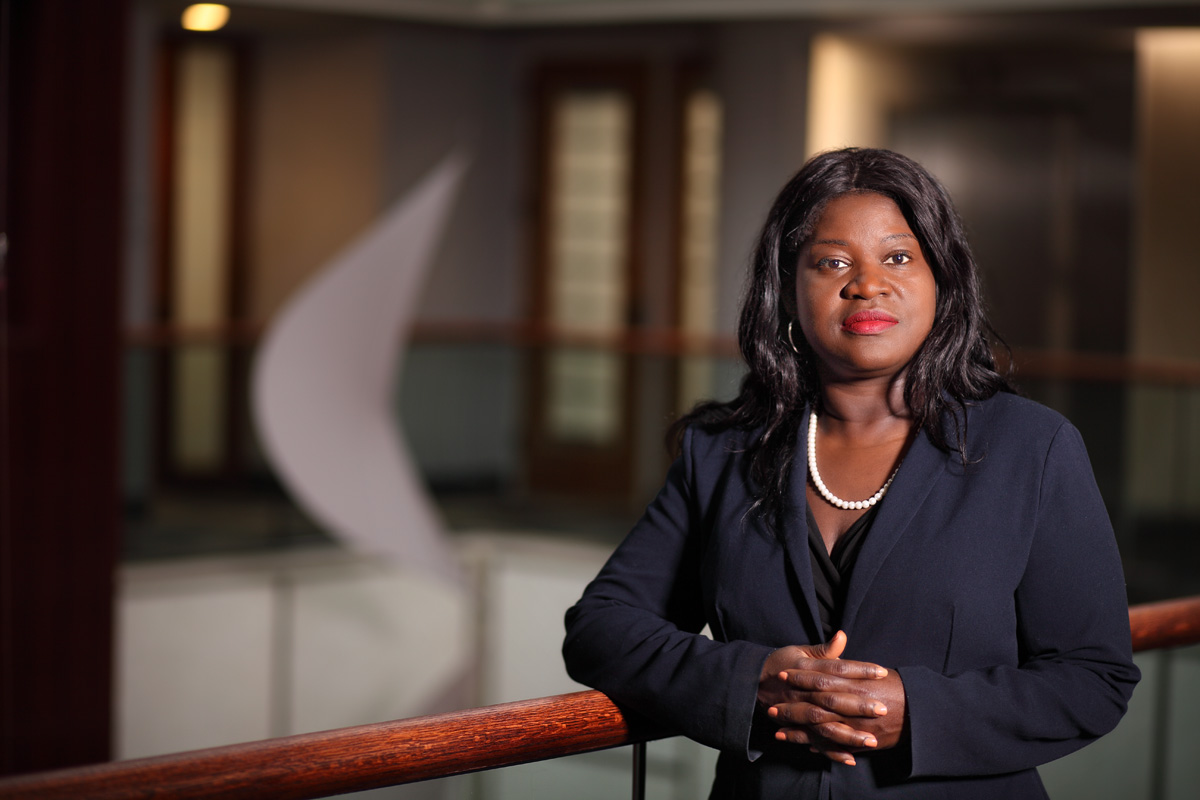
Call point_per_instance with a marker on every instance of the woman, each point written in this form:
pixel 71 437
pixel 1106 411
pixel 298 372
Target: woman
pixel 910 579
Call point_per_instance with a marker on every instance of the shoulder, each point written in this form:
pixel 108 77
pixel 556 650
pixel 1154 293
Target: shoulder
pixel 717 441
pixel 1009 427
pixel 1013 416
pixel 716 453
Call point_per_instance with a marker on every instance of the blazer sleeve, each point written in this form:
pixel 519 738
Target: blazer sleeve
pixel 635 633
pixel 1075 672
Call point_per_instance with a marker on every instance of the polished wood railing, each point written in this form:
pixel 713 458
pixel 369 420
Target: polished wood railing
pixel 1171 623
pixel 405 751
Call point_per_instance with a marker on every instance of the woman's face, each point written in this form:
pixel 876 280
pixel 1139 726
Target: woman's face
pixel 865 295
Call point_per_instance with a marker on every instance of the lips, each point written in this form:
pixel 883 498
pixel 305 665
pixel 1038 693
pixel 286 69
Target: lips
pixel 867 323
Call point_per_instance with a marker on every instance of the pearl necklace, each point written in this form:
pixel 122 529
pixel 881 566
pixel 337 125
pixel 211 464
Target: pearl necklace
pixel 820 484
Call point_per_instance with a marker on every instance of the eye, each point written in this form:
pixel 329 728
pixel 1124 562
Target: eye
pixel 898 258
pixel 832 262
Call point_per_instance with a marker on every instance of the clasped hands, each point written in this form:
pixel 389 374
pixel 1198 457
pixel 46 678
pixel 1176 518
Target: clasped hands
pixel 836 707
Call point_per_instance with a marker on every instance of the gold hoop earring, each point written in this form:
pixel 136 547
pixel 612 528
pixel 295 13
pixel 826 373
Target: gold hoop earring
pixel 792 341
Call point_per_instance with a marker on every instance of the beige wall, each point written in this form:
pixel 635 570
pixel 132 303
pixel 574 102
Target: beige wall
pixel 1167 275
pixel 1161 469
pixel 315 168
pixel 852 86
pixel 762 77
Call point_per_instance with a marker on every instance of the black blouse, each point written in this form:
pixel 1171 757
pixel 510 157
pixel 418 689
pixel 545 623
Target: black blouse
pixel 831 571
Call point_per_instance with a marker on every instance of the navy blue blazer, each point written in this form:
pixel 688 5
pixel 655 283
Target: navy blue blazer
pixel 995 588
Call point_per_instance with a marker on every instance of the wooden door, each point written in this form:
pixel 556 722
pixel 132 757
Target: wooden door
pixel 585 298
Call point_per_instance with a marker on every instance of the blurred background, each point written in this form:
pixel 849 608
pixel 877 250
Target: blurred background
pixel 168 193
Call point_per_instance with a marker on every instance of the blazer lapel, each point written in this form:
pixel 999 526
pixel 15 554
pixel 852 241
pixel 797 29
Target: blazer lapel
pixel 922 467
pixel 795 534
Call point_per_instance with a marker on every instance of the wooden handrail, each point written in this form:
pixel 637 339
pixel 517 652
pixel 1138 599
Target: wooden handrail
pixel 405 751
pixel 350 759
pixel 1171 623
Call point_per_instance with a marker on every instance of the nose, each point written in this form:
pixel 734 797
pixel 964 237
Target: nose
pixel 865 283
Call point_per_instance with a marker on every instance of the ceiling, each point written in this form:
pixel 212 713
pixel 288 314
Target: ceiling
pixel 525 12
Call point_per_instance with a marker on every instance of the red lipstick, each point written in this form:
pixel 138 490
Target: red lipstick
pixel 867 323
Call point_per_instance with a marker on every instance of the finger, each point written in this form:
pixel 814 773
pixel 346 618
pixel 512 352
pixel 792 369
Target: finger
pixel 843 736
pixel 850 670
pixel 803 714
pixel 793 735
pixel 847 705
pixel 826 725
pixel 817 742
pixel 839 756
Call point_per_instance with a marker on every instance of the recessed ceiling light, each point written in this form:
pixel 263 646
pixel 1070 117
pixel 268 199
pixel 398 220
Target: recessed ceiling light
pixel 205 17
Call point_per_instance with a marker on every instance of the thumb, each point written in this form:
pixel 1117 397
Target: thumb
pixel 831 649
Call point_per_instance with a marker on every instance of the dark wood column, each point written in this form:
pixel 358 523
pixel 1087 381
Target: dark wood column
pixel 62 180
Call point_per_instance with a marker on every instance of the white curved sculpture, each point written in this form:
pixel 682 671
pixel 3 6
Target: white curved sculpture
pixel 325 376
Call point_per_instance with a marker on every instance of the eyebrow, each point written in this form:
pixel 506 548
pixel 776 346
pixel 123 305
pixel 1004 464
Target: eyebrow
pixel 888 238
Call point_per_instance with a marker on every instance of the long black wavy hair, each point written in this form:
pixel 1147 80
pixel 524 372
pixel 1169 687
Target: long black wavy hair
pixel 952 367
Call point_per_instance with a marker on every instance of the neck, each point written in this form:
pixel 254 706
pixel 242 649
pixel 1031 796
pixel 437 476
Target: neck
pixel 864 403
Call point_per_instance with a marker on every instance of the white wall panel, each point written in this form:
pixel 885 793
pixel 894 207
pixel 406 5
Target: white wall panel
pixel 193 664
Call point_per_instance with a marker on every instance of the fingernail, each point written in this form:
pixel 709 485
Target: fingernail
pixel 870 741
pixel 772 712
pixel 880 710
pixel 781 736
pixel 850 762
pixel 881 672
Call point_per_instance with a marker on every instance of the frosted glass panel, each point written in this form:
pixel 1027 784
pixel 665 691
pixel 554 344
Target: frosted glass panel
pixel 698 244
pixel 585 393
pixel 200 247
pixel 589 248
pixel 701 177
pixel 589 207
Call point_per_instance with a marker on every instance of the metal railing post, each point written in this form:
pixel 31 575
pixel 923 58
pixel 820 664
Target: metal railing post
pixel 639 771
